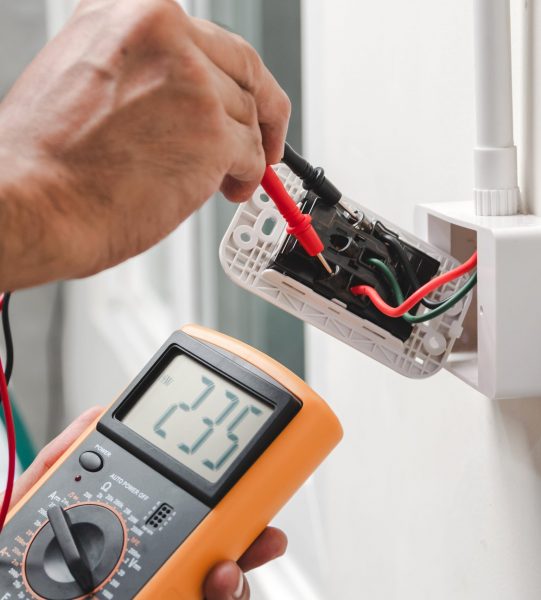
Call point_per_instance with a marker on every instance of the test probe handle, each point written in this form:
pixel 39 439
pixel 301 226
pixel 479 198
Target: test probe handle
pixel 298 224
pixel 313 178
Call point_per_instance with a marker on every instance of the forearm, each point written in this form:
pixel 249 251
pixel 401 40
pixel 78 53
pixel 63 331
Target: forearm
pixel 33 240
pixel 123 126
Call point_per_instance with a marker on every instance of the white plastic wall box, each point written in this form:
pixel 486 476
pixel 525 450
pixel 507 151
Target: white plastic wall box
pixel 501 355
pixel 255 235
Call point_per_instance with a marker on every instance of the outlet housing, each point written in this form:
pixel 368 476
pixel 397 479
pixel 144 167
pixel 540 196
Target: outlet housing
pixel 499 352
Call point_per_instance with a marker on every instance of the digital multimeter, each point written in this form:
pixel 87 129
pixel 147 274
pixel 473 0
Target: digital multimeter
pixel 184 470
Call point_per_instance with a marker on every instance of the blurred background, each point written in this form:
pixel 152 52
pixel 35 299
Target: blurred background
pixel 435 491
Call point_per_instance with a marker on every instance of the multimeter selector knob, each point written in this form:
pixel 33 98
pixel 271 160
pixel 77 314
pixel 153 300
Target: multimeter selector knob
pixel 75 552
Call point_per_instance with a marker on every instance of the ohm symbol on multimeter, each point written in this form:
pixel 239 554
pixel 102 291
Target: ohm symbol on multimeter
pixel 214 437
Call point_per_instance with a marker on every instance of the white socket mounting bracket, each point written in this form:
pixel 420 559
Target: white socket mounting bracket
pixel 499 352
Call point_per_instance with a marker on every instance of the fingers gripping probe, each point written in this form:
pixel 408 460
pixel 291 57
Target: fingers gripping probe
pixel 299 225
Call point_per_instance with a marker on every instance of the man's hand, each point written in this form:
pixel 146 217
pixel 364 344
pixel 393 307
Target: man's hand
pixel 226 581
pixel 122 127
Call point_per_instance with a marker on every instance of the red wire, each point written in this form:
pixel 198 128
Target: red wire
pixel 418 295
pixel 10 429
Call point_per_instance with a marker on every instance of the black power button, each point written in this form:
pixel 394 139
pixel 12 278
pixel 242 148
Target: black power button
pixel 91 461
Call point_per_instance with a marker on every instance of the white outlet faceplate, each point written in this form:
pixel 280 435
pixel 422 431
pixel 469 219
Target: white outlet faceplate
pixel 246 254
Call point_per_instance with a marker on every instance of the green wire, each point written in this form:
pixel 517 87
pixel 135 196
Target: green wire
pixel 431 314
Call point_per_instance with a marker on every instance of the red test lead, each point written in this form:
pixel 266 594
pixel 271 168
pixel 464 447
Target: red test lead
pixel 299 225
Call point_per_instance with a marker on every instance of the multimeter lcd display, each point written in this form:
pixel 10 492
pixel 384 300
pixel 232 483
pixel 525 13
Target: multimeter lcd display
pixel 197 417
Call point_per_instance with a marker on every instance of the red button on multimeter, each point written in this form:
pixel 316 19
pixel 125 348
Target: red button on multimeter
pixel 184 470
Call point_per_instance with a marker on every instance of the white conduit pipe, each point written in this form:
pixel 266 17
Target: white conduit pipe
pixel 495 156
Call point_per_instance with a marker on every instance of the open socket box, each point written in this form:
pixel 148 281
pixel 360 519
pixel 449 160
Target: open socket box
pixel 255 238
pixel 499 352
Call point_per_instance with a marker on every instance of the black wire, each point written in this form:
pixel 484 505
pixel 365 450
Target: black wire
pixel 406 264
pixel 7 336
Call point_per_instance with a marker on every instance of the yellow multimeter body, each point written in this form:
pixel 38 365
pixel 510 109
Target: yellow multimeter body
pixel 183 471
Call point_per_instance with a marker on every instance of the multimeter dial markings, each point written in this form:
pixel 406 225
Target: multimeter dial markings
pixel 108 544
pixel 125 521
pixel 75 552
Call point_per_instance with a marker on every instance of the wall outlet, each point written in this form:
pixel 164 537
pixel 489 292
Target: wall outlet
pixel 249 252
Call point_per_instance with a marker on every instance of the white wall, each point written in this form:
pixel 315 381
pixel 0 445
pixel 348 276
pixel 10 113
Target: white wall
pixel 435 492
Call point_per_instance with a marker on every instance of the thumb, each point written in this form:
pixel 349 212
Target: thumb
pixel 52 452
pixel 226 582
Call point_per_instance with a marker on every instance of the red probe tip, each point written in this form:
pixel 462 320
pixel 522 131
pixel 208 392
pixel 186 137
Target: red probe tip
pixel 325 264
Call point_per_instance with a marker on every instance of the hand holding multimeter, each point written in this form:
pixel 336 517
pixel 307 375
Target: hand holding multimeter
pixel 225 580
pixel 182 472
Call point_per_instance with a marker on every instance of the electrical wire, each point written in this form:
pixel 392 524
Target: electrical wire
pixel 408 268
pixel 418 295
pixel 10 430
pixel 431 314
pixel 7 336
pixel 6 407
pixel 446 304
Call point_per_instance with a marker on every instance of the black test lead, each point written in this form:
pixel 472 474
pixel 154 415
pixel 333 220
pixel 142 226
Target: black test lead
pixel 314 180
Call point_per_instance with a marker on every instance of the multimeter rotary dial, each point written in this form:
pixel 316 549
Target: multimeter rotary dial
pixel 75 552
